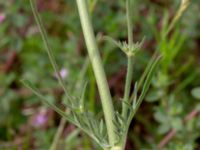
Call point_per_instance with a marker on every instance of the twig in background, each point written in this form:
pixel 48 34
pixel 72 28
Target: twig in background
pixel 172 132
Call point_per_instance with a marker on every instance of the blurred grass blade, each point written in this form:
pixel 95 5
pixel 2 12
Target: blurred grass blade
pixel 183 7
pixel 92 4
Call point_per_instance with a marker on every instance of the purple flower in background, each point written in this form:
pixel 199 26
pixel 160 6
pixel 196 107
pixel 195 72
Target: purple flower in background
pixel 2 17
pixel 63 73
pixel 40 119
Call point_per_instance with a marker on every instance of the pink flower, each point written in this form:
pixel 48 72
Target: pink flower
pixel 63 73
pixel 2 17
pixel 40 119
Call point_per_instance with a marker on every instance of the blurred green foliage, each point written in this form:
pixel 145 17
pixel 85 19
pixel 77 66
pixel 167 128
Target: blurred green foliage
pixel 171 104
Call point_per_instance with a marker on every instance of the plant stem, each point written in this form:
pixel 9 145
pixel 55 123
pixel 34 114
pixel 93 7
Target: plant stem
pixel 127 86
pixel 130 60
pixel 47 46
pixel 129 22
pixel 98 69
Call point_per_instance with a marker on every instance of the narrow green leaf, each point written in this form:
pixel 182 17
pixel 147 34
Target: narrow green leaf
pixel 135 95
pixel 148 80
pixel 82 104
pixel 147 69
pixel 101 127
pixel 128 105
pixel 145 86
pixel 116 124
pixel 121 120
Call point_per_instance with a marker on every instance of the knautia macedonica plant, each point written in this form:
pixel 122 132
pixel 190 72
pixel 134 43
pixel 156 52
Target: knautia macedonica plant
pixel 110 131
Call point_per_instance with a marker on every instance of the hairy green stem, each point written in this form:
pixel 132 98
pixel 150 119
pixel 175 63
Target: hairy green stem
pixel 98 69
pixel 130 60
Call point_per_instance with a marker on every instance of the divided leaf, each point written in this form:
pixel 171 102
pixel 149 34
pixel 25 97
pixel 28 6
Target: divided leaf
pixel 84 120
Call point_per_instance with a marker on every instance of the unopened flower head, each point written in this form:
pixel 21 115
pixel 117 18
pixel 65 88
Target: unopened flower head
pixel 132 49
